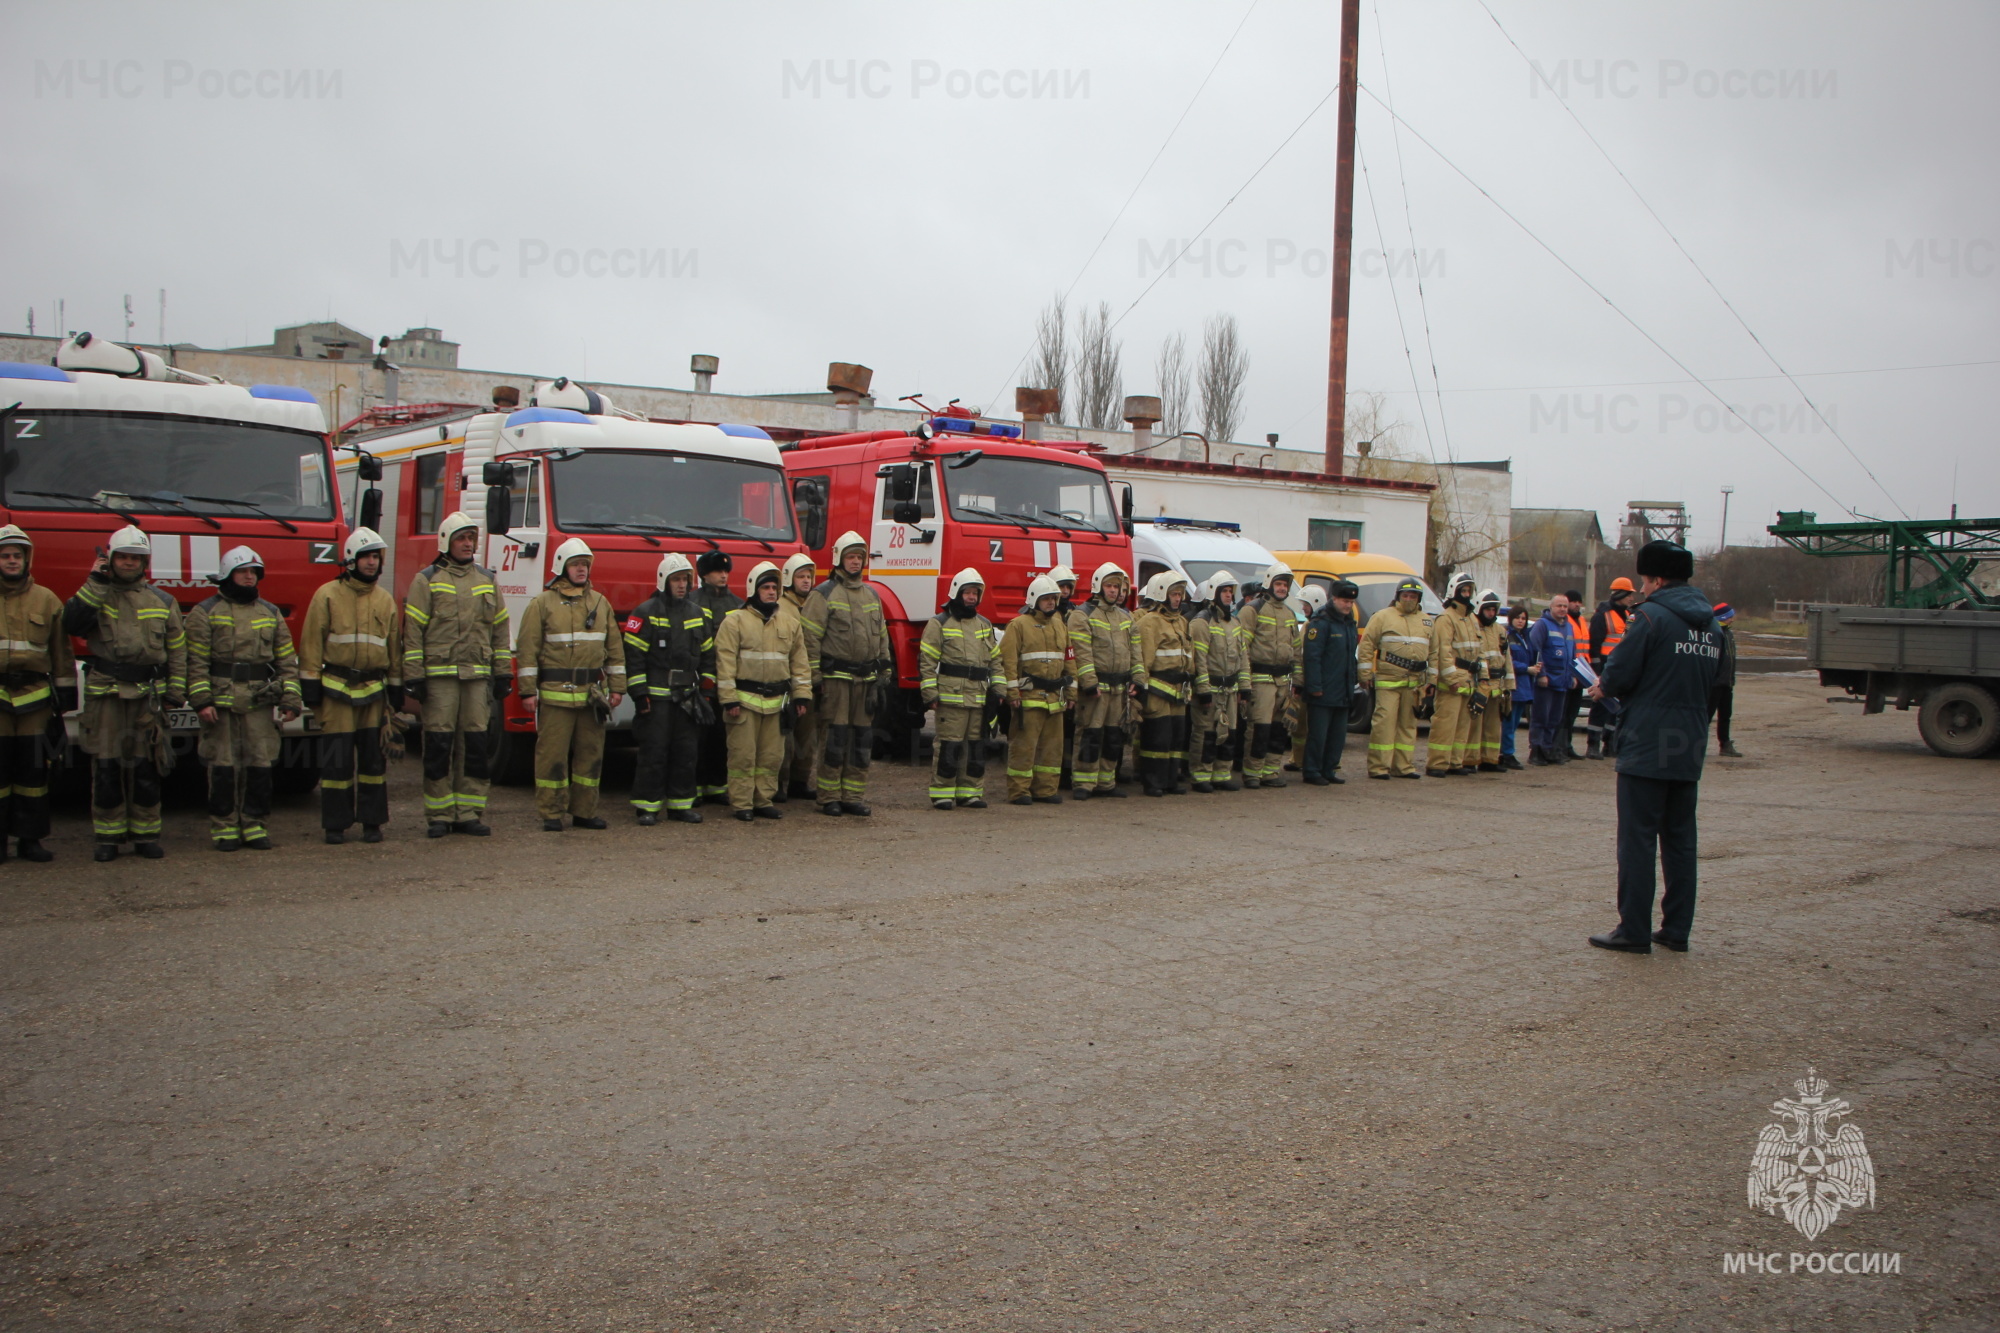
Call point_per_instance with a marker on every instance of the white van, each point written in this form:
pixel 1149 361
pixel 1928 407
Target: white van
pixel 1196 548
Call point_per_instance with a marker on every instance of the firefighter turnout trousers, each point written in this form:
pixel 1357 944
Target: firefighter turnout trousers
pixel 756 756
pixel 353 765
pixel 1212 747
pixel 569 759
pixel 850 739
pixel 1163 740
pixel 1034 746
pixel 1392 737
pixel 1490 726
pixel 803 745
pixel 239 749
pixel 1101 720
pixel 1451 728
pixel 25 746
pixel 1270 734
pixel 668 742
pixel 959 772
pixel 455 758
pixel 126 739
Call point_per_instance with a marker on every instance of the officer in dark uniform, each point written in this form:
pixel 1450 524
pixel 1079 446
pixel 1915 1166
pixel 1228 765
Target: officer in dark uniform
pixel 712 764
pixel 1662 674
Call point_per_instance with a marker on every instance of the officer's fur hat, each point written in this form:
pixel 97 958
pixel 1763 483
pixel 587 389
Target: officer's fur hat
pixel 711 562
pixel 1665 560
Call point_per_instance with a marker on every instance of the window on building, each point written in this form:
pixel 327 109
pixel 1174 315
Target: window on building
pixel 1327 534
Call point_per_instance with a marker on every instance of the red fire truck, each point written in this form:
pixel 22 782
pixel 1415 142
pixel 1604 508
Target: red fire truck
pixel 957 492
pixel 569 465
pixel 110 435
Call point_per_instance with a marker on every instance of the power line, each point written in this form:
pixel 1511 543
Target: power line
pixel 1143 177
pixel 1597 292
pixel 1701 272
pixel 1714 379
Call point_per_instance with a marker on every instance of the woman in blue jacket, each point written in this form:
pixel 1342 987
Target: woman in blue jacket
pixel 1523 700
pixel 1551 658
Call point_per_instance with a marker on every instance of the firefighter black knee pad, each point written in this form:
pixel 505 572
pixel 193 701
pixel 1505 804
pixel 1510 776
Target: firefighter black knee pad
pixel 1089 744
pixel 222 790
pixel 437 755
pixel 836 744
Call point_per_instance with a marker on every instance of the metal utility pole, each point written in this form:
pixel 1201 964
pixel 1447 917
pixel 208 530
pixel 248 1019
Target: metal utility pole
pixel 1343 239
pixel 1727 491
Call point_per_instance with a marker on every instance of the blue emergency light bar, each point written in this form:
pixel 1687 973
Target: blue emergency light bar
pixel 966 426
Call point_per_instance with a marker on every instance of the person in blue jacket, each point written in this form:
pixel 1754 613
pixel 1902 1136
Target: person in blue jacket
pixel 1662 673
pixel 1551 665
pixel 1332 677
pixel 1523 701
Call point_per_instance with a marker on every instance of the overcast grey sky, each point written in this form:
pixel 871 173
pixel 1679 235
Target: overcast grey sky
pixel 906 184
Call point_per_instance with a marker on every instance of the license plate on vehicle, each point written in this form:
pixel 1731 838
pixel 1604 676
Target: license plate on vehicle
pixel 183 719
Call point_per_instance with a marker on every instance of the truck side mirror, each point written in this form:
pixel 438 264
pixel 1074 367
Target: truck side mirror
pixel 499 510
pixel 907 511
pixel 371 509
pixel 497 474
pixel 370 468
pixel 1125 501
pixel 902 482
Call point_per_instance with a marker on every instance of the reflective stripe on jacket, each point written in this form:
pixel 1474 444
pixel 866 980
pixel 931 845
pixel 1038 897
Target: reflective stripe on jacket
pixel 457 624
pixel 761 659
pixel 1100 633
pixel 844 625
pixel 1270 638
pixel 33 643
pixel 350 627
pixel 1034 658
pixel 1219 662
pixel 958 661
pixel 1454 638
pixel 223 635
pixel 1167 663
pixel 1408 637
pixel 130 625
pixel 669 646
pixel 570 631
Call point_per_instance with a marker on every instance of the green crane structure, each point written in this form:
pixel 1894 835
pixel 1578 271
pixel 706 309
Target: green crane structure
pixel 1930 562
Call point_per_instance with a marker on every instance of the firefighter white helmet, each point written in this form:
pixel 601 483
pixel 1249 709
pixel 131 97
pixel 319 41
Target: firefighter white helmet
pixel 1281 570
pixel 1162 583
pixel 1314 597
pixel 796 563
pixel 1042 586
pixel 456 522
pixel 1487 597
pixel 576 548
pixel 847 542
pixel 12 535
pixel 758 571
pixel 235 558
pixel 128 540
pixel 1063 574
pixel 1217 581
pixel 964 577
pixel 1104 571
pixel 359 543
pixel 672 563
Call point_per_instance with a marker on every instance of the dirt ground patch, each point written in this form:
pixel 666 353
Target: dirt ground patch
pixel 1289 1060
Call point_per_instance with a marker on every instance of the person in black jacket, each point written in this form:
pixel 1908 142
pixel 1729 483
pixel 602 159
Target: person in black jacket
pixel 1332 679
pixel 1722 698
pixel 670 670
pixel 1662 673
pixel 712 762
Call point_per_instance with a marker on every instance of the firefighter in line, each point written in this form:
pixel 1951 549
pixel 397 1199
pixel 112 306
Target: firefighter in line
pixel 1222 685
pixel 1271 644
pixel 1065 578
pixel 670 656
pixel 847 640
pixel 1457 671
pixel 1332 681
pixel 1309 601
pixel 1105 645
pixel 1396 665
pixel 1034 660
pixel 571 676
pixel 1164 676
pixel 348 642
pixel 241 666
pixel 712 568
pixel 1606 631
pixel 804 742
pixel 457 664
pixel 763 682
pixel 1496 688
pixel 137 667
pixel 36 674
pixel 960 668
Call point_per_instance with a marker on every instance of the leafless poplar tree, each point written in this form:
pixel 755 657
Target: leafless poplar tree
pixel 1049 368
pixel 1171 376
pixel 1224 367
pixel 1100 375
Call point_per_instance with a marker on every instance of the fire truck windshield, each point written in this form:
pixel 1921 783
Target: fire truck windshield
pixel 157 462
pixel 630 488
pixel 1017 490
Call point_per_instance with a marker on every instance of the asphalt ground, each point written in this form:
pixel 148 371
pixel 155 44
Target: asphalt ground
pixel 1283 1060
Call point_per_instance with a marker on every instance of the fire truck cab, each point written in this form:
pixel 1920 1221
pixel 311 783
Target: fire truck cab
pixel 110 435
pixel 957 492
pixel 570 464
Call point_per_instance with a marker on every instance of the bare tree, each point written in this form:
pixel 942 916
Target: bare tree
pixel 1100 377
pixel 1049 367
pixel 1224 367
pixel 1171 375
